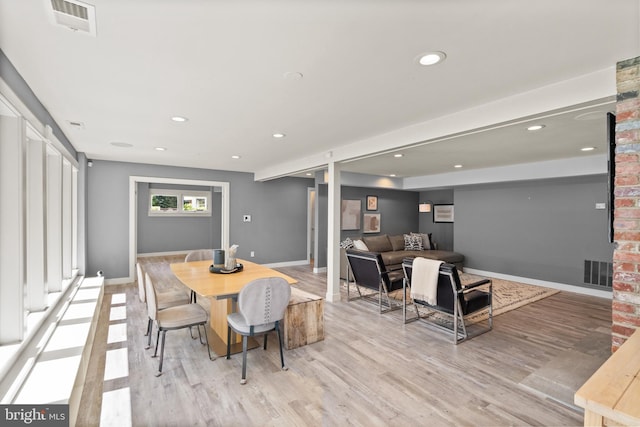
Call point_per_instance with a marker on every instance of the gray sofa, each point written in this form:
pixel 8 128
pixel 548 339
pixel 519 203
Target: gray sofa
pixel 392 249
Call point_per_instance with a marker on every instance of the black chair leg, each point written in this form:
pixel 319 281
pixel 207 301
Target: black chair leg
pixel 265 342
pixel 284 368
pixel 206 340
pixel 164 335
pixel 149 329
pixel 244 360
pixel 155 353
pixel 228 342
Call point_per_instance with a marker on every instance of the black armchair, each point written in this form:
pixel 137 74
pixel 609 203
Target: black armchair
pixel 369 272
pixel 453 299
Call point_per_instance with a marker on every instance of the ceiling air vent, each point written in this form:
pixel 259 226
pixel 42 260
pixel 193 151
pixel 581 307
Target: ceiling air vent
pixel 75 15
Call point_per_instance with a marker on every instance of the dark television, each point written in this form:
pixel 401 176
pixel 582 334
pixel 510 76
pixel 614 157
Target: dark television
pixel 611 168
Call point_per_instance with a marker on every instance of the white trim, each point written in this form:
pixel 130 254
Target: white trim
pixel 287 264
pixel 536 282
pixel 319 270
pixel 133 220
pixel 118 281
pixel 150 254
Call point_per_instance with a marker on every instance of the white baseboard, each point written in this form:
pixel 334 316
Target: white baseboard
pixel 286 264
pixel 150 254
pixel 118 281
pixel 536 282
pixel 320 270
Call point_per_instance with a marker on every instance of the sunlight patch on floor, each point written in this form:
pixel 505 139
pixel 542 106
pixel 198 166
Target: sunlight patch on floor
pixel 116 408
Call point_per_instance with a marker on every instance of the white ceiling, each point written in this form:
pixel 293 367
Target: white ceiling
pixel 223 64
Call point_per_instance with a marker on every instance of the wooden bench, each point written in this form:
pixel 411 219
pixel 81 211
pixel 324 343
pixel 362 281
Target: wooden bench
pixel 612 395
pixel 303 319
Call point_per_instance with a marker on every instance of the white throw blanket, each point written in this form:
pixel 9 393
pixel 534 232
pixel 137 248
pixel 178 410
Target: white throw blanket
pixel 424 280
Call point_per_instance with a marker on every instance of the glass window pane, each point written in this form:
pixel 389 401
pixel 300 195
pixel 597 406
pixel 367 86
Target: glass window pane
pixel 164 203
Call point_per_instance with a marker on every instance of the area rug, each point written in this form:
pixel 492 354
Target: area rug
pixel 507 295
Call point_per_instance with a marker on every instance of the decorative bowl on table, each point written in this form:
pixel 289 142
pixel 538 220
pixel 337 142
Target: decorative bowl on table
pixel 222 270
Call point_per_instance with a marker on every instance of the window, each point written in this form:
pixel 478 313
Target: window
pixel 179 202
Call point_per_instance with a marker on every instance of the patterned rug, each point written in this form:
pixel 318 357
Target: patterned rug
pixel 507 296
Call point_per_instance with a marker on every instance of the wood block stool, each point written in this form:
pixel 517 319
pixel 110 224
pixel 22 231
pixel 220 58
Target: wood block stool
pixel 303 319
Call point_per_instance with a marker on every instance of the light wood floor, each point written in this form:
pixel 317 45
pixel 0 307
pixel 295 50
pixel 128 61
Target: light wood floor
pixel 371 370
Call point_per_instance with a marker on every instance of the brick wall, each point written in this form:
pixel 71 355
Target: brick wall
pixel 626 256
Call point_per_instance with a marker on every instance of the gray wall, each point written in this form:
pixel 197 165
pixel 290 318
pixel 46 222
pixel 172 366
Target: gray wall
pixel 536 229
pixel 441 233
pixel 277 232
pixel 398 210
pixel 177 233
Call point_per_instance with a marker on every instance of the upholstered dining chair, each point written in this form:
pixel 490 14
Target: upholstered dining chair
pixel 164 299
pixel 454 300
pixel 176 317
pixel 198 255
pixel 261 306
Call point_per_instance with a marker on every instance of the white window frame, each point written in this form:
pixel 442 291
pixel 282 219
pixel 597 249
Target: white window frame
pixel 180 194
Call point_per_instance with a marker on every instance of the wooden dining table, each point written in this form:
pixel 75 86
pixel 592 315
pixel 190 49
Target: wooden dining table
pixel 222 290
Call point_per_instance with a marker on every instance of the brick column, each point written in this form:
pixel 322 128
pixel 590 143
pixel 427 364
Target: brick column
pixel 626 256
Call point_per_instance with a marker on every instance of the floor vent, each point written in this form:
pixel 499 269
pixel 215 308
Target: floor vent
pixel 598 273
pixel 75 15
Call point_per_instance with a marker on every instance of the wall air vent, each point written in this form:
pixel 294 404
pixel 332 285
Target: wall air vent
pixel 75 15
pixel 598 273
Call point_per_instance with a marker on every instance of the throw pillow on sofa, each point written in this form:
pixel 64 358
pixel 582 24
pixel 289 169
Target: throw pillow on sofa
pixel 427 243
pixel 413 242
pixel 359 245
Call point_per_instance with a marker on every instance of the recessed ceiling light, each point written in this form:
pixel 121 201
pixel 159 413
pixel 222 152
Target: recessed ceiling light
pixel 179 119
pixel 392 175
pixel 122 144
pixel 293 75
pixel 279 135
pixel 309 174
pixel 535 127
pixel 235 157
pixel 587 148
pixel 457 166
pixel 397 156
pixel 431 58
pixel 161 149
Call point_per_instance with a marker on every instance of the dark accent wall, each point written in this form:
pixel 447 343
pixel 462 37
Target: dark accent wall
pixel 441 233
pixel 277 232
pixel 398 210
pixel 177 233
pixel 542 229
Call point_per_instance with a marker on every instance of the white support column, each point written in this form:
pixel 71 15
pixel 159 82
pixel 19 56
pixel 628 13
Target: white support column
pixel 333 233
pixel 54 221
pixel 36 168
pixel 67 224
pixel 12 211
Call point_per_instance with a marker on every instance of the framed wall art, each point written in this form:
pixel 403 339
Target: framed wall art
pixel 350 217
pixel 442 213
pixel 372 203
pixel 371 223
